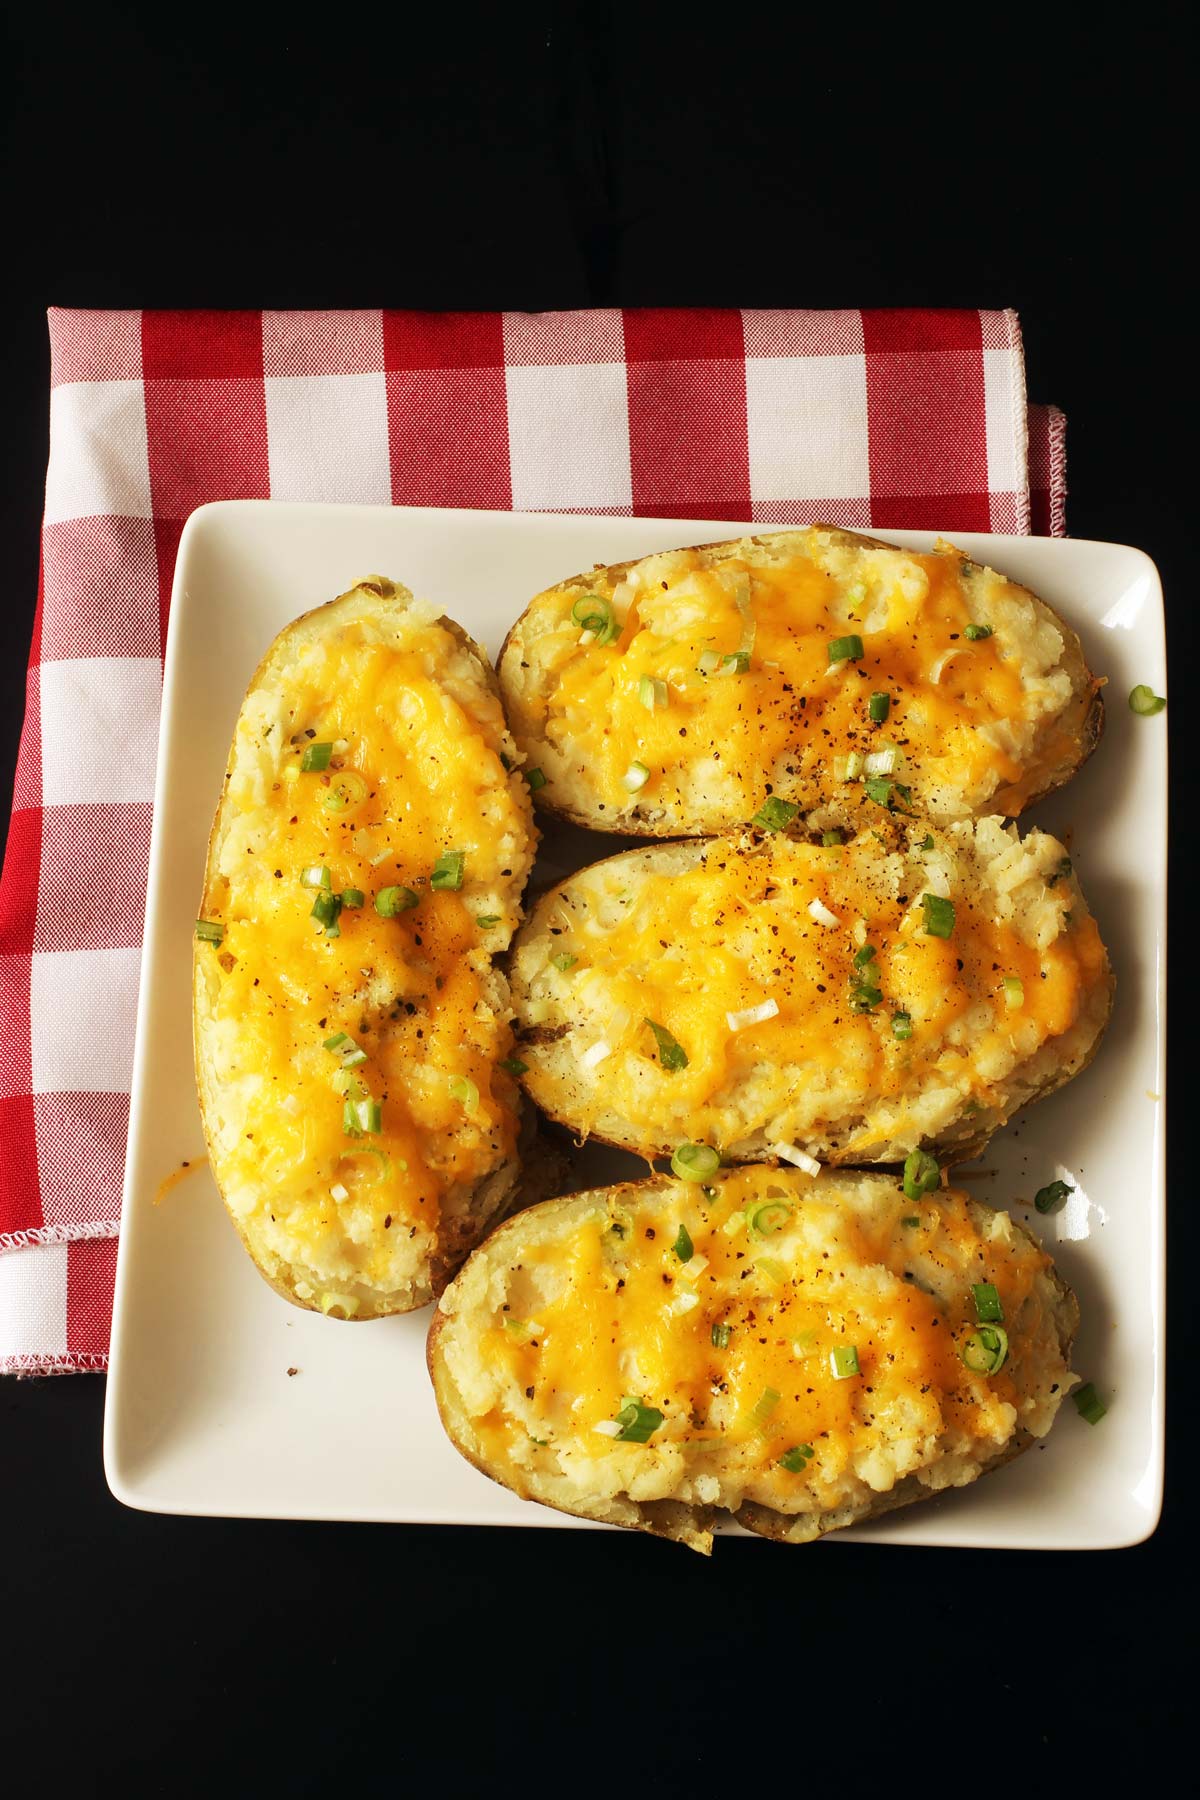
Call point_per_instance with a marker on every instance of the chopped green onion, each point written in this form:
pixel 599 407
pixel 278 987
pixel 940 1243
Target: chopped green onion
pixel 344 791
pixel 390 902
pixel 361 1115
pixel 325 910
pixel 911 1219
pixel 635 777
pixel 843 1362
pixel 652 693
pixel 695 1162
pixel 210 931
pixel 348 1053
pixel 683 1246
pixel 921 1174
pixel 736 664
pixel 1061 869
pixel 1014 992
pixel 882 762
pixel 879 789
pixel 901 1025
pixel 878 707
pixel 1051 1197
pixel 348 1086
pixel 595 614
pixel 316 758
pixel 1145 702
pixel 795 1459
pixel 638 1423
pixel 535 778
pixel 486 921
pixel 448 870
pixel 802 1343
pixel 846 649
pixel 775 814
pixel 976 632
pixel 763 1407
pixel 1089 1404
pixel 772 1268
pixel 864 956
pixel 512 1065
pixel 353 898
pixel 721 1334
pixel 709 662
pixel 830 838
pixel 926 842
pixel 853 766
pixel 563 961
pixel 315 877
pixel 939 915
pixel 985 1351
pixel 864 999
pixel 988 1309
pixel 769 1217
pixel 465 1090
pixel 671 1053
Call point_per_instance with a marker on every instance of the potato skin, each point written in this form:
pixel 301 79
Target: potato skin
pixel 678 1521
pixel 565 1099
pixel 535 1171
pixel 1080 727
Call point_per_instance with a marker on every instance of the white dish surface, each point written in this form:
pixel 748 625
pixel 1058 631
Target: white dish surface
pixel 203 1415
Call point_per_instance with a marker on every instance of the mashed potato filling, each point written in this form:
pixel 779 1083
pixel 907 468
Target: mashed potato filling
pixel 797 1344
pixel 719 683
pixel 399 1016
pixel 804 998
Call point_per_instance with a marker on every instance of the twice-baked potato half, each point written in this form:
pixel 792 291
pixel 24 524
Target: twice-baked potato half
pixel 844 1002
pixel 675 695
pixel 352 1029
pixel 801 1353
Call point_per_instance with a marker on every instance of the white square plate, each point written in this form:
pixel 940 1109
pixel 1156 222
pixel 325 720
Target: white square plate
pixel 202 1414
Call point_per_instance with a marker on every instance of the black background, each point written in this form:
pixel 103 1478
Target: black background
pixel 534 158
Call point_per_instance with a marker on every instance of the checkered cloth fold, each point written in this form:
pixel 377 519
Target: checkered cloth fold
pixel 869 419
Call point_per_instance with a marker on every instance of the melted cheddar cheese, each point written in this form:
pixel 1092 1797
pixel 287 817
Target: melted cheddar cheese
pixel 730 1334
pixel 415 772
pixel 813 1006
pixel 973 725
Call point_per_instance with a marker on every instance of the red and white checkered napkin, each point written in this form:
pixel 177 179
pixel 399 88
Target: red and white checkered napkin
pixel 872 419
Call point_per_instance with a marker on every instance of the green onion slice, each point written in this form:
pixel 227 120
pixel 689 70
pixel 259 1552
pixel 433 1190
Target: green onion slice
pixel 512 1065
pixel 635 777
pixel 769 1217
pixel 695 1162
pixel 902 1025
pixel 465 1090
pixel 921 1174
pixel 1089 1404
pixel 210 931
pixel 317 876
pixel 846 649
pixel 1014 992
pixel 864 956
pixel 353 898
pixel 390 902
pixel 911 1219
pixel 683 1246
pixel 326 909
pixel 795 1459
pixel 1051 1197
pixel 976 632
pixel 830 838
pixel 652 693
pixel 348 1053
pixel 736 664
pixel 1145 702
pixel 939 915
pixel 878 708
pixel 671 1053
pixel 563 961
pixel 638 1422
pixel 988 1309
pixel 448 870
pixel 316 758
pixel 486 921
pixel 595 614
pixel 721 1334
pixel 985 1350
pixel 763 1407
pixel 535 778
pixel 345 791
pixel 359 1116
pixel 775 814
pixel 843 1362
